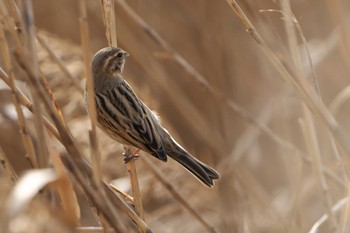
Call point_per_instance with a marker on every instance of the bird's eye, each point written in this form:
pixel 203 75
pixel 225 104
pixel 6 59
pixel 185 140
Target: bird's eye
pixel 120 55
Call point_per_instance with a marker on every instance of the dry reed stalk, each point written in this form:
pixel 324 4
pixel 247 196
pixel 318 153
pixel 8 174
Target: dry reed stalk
pixel 29 46
pixel 302 87
pixel 252 133
pixel 115 197
pixel 311 143
pixel 340 17
pixel 74 161
pixel 135 189
pixel 66 141
pixel 303 90
pixel 177 195
pixel 201 80
pixel 309 128
pixel 340 99
pixel 95 154
pixel 108 11
pixel 126 197
pixel 65 188
pixel 345 217
pixel 335 209
pixel 131 166
pixel 290 147
pixel 24 131
pixel 111 34
pixel 24 100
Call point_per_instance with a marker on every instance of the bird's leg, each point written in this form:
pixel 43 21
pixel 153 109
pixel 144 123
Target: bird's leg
pixel 128 155
pixel 135 153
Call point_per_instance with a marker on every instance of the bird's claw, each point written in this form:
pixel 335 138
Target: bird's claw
pixel 128 157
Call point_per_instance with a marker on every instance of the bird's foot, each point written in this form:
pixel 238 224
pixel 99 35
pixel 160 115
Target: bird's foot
pixel 128 156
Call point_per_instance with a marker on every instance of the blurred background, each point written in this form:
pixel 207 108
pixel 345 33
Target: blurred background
pixel 231 109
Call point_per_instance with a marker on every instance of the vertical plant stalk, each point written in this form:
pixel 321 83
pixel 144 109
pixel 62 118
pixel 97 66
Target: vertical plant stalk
pixel 30 47
pixel 131 166
pixel 111 34
pixel 312 146
pixel 110 22
pixel 291 24
pixel 95 154
pixel 27 141
pixel 66 190
pixel 95 151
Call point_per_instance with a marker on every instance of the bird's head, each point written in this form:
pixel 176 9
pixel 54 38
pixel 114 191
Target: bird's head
pixel 108 61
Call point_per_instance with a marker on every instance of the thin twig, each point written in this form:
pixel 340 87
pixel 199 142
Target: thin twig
pixel 126 197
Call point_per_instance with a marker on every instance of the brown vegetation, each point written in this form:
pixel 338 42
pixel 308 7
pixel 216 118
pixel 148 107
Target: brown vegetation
pixel 267 109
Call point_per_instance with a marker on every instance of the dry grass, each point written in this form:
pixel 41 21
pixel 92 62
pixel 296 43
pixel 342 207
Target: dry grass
pixel 267 109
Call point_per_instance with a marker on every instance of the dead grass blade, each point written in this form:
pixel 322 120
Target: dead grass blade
pixel 65 188
pixel 25 190
pixel 301 86
pixel 335 208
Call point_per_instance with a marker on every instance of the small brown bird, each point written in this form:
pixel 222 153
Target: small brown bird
pixel 126 119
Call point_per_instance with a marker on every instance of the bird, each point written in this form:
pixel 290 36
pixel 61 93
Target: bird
pixel 123 116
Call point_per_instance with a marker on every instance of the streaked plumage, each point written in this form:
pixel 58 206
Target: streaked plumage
pixel 125 118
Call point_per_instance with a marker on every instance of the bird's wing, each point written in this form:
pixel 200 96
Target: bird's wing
pixel 135 122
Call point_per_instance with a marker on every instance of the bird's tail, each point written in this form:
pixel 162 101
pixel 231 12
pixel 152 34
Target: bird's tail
pixel 203 172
